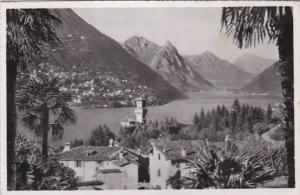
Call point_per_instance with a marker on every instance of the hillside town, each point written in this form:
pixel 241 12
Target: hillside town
pixel 94 89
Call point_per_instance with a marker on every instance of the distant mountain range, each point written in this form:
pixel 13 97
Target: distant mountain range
pixel 166 61
pixel 86 47
pixel 223 74
pixel 266 82
pixel 253 64
pixel 161 68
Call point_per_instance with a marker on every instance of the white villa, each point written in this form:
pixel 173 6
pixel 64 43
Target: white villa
pixel 116 167
pixel 166 158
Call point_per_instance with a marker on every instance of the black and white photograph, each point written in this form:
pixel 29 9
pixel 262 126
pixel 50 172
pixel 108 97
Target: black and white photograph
pixel 148 97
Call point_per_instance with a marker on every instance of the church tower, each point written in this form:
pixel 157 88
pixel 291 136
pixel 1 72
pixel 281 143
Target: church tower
pixel 141 110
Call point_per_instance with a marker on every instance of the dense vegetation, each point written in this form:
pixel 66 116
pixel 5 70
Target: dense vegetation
pixel 231 167
pixel 240 121
pixel 34 173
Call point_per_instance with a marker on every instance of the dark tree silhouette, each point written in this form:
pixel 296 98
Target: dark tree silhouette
pixel 252 25
pixel 40 98
pixel 28 30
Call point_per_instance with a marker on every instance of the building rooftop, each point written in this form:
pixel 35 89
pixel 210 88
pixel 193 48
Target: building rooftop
pixel 172 149
pixel 90 153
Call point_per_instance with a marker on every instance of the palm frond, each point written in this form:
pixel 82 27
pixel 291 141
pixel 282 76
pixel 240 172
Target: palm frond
pixel 249 26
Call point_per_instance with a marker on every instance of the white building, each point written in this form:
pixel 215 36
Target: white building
pixel 167 157
pixel 116 167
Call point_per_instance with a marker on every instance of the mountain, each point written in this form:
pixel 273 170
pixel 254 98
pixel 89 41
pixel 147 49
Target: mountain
pixel 266 82
pixel 221 73
pixel 252 63
pixel 166 61
pixel 86 47
pixel 141 48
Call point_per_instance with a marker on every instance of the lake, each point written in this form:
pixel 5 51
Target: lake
pixel 183 110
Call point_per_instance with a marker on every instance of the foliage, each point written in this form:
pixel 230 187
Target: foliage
pixel 175 181
pixel 140 135
pixel 250 25
pixel 38 99
pixel 28 31
pixel 34 173
pixel 216 124
pixel 76 143
pixel 101 136
pixel 227 168
pixel 278 159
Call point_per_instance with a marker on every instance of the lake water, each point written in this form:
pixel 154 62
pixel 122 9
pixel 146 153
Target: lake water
pixel 183 110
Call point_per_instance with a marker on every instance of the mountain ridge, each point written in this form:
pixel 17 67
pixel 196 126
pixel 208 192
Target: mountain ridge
pixel 253 64
pixel 85 46
pixel 167 61
pixel 221 73
pixel 266 82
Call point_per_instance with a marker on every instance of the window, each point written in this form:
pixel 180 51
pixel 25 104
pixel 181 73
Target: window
pixel 78 163
pixel 158 172
pixel 158 156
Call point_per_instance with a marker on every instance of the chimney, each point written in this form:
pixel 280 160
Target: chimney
pixel 67 147
pixel 183 152
pixel 111 142
pixel 121 155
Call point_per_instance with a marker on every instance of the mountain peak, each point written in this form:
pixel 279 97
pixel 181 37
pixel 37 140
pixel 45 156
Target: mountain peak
pixel 209 54
pixel 252 63
pixel 168 46
pixel 139 41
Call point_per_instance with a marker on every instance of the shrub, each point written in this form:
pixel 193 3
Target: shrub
pixel 227 167
pixel 33 173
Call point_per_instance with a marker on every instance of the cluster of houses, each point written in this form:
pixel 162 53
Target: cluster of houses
pixel 116 167
pixel 92 88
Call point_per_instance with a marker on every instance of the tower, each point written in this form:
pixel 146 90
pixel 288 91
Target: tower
pixel 141 110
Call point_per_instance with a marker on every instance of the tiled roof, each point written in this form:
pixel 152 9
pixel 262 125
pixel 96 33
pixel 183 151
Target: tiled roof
pixel 97 153
pixel 172 149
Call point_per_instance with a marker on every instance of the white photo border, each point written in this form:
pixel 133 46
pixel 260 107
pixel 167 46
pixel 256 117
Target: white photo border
pixel 149 4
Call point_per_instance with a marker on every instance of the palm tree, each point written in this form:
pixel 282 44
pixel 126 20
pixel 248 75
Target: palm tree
pixel 249 26
pixel 227 167
pixel 28 30
pixel 38 99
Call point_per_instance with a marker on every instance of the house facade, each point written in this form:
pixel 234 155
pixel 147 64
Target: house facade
pixel 116 167
pixel 166 158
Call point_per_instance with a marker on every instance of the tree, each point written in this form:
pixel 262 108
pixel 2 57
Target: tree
pixel 269 114
pixel 38 99
pixel 251 25
pixel 236 106
pixel 101 136
pixel 28 30
pixel 228 167
pixel 76 143
pixel 33 173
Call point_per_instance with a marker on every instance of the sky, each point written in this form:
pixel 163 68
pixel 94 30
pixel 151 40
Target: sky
pixel 191 30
